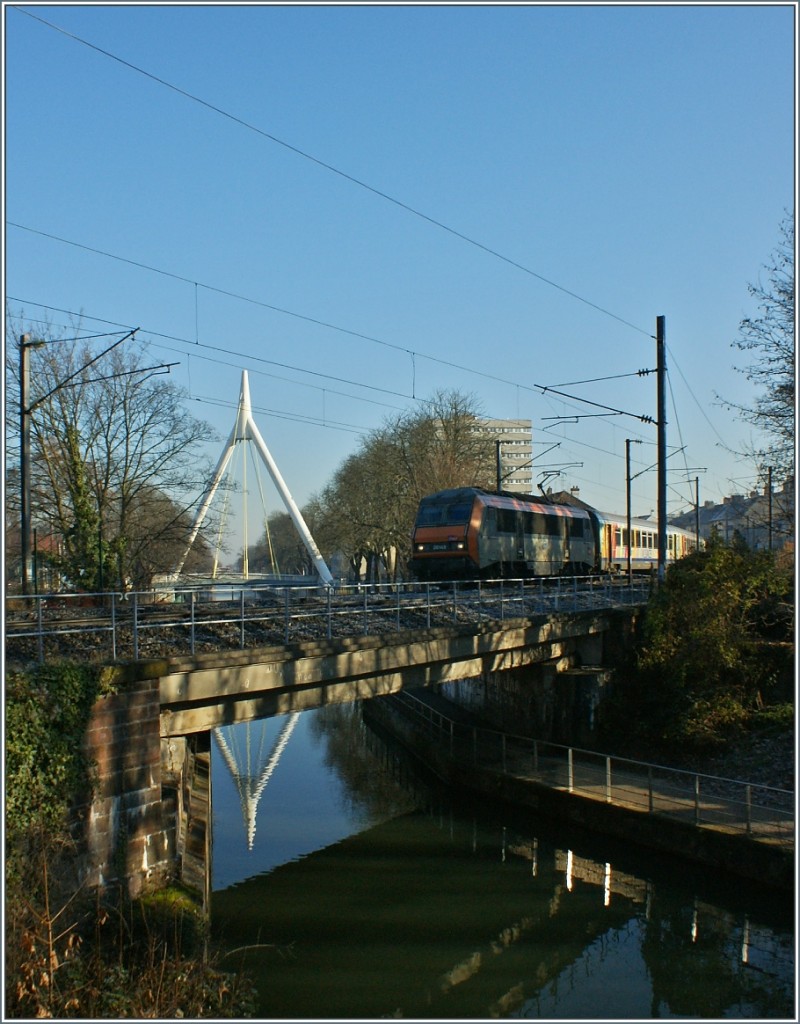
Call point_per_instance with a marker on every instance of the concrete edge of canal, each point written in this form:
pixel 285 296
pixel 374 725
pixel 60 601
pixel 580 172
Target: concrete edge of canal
pixel 760 861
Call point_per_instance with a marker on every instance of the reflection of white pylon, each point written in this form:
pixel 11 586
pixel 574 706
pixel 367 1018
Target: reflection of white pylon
pixel 245 429
pixel 251 786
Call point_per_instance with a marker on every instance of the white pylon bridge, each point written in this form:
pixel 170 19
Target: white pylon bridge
pixel 245 431
pixel 251 770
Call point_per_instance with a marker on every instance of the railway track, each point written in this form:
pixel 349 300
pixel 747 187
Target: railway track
pixel 112 627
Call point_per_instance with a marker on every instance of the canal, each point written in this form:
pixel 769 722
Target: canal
pixel 351 887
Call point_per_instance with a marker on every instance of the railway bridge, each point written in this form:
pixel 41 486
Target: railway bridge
pixel 150 738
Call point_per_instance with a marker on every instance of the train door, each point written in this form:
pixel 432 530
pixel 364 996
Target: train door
pixel 607 556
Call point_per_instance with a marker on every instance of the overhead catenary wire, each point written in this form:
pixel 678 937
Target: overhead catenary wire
pixel 534 387
pixel 336 170
pixel 294 417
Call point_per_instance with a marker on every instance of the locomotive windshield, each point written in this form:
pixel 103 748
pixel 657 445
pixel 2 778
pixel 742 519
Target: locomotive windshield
pixel 444 513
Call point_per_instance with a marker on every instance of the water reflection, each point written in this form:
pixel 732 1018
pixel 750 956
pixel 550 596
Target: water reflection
pixel 422 907
pixel 251 769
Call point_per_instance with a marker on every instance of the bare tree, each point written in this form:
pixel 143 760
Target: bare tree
pixel 769 339
pixel 374 495
pixel 114 459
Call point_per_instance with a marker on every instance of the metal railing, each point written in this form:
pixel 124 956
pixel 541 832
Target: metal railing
pixel 191 620
pixel 761 812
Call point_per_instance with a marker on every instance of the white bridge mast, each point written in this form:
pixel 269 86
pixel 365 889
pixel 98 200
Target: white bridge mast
pixel 245 429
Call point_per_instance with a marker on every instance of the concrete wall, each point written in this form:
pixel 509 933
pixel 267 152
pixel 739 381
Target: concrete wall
pixel 537 700
pixel 555 700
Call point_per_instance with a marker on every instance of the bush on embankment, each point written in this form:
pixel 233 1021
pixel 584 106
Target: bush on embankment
pixel 70 953
pixel 714 660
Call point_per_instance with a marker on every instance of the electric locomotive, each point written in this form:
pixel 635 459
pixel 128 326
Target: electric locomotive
pixel 466 533
pixel 470 533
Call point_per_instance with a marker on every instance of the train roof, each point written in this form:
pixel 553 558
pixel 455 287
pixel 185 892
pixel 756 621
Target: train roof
pixel 507 499
pixel 640 522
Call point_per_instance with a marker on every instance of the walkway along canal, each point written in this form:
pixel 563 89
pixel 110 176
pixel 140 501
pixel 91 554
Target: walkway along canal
pixel 746 829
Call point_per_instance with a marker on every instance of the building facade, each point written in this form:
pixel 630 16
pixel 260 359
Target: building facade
pixel 515 441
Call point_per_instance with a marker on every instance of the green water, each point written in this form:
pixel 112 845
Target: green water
pixel 367 894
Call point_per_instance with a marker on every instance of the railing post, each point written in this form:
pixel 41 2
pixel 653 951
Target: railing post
pixel 608 780
pixel 697 799
pixel 398 607
pixel 135 626
pixel 455 600
pixel 193 620
pixel 330 613
pixel 502 605
pixel 366 616
pixel 40 636
pixel 286 615
pixel 241 612
pixel 480 600
pixel 113 627
pixel 748 808
pixel 570 770
pixel 428 605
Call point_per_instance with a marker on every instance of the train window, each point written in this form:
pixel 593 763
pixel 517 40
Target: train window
pixel 617 536
pixel 527 523
pixel 506 520
pixel 436 514
pixel 546 525
pixel 637 538
pixel 429 515
pixel 576 527
pixel 459 513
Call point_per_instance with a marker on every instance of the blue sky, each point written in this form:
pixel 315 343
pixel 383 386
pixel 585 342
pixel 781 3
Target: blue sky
pixel 640 158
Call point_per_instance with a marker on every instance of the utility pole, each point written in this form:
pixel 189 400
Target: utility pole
pixel 25 410
pixel 628 443
pixel 697 511
pixel 25 345
pixel 661 374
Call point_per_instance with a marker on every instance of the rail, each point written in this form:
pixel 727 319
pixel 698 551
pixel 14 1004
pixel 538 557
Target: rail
pixel 113 626
pixel 707 801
